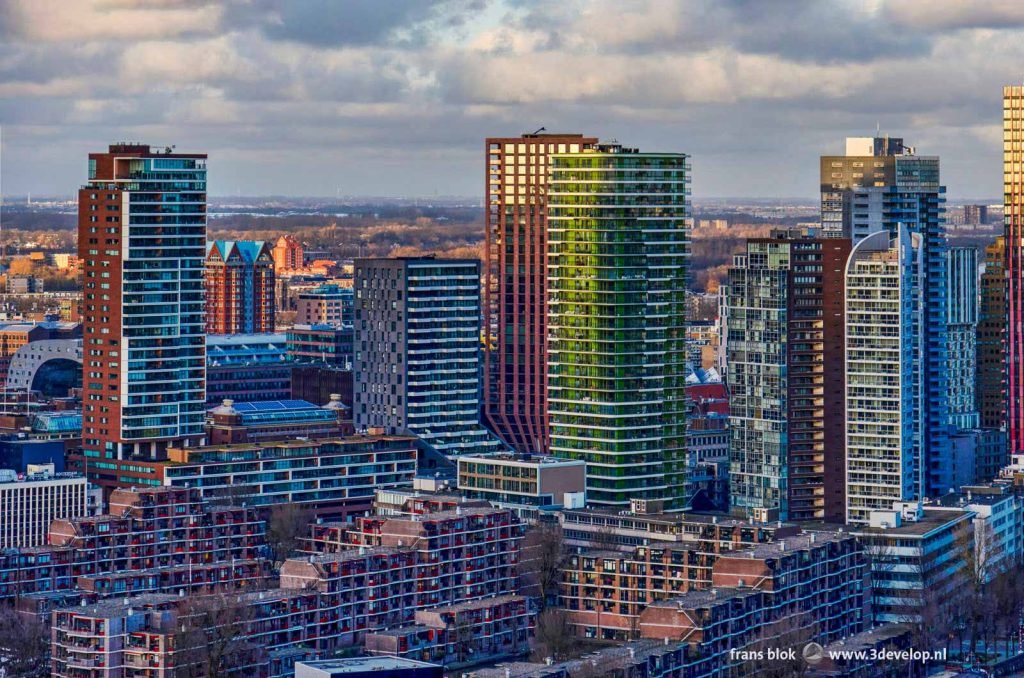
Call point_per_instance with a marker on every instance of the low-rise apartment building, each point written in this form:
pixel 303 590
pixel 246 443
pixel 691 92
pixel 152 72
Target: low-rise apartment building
pixel 154 540
pixel 465 633
pixel 523 482
pixel 332 476
pixel 917 558
pixel 810 588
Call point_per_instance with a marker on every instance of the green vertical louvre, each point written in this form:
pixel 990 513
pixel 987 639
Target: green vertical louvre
pixel 618 245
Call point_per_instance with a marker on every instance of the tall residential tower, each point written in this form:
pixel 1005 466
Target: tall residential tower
pixel 884 381
pixel 1013 213
pixel 786 345
pixel 515 285
pixel 417 351
pixel 991 371
pixel 962 305
pixel 618 247
pixel 142 241
pixel 881 185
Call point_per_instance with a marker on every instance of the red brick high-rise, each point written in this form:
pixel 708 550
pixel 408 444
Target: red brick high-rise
pixel 515 285
pixel 239 287
pixel 141 240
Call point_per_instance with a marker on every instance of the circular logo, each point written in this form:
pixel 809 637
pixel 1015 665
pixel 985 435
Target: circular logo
pixel 813 653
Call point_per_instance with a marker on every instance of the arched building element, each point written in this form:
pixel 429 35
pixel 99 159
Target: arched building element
pixel 30 359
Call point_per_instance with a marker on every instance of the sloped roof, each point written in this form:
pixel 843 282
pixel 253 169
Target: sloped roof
pixel 247 250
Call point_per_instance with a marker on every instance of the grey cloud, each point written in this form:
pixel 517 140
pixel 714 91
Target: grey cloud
pixel 818 31
pixel 328 23
pixel 396 96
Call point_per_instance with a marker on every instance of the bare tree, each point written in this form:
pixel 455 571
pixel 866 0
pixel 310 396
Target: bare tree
pixel 554 635
pixel 786 637
pixel 24 644
pixel 543 555
pixel 462 632
pixel 212 639
pixel 287 527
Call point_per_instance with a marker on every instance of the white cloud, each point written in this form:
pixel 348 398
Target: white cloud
pixel 92 20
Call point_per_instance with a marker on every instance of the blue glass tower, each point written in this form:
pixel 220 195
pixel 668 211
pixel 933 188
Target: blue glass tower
pixel 881 184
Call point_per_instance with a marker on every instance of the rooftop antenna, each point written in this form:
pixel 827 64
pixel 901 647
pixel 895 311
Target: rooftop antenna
pixel 878 129
pixel 542 129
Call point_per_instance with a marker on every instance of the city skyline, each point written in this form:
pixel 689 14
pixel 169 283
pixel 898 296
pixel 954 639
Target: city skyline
pixel 571 426
pixel 361 100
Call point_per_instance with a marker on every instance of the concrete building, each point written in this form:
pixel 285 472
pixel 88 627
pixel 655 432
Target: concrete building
pixel 143 317
pixel 16 336
pixel 25 284
pixel 998 519
pixel 334 477
pixel 384 569
pixel 28 502
pixel 109 639
pixel 367 667
pixel 523 483
pixel 786 376
pixel 618 225
pixel 976 214
pixel 247 367
pixel 990 454
pixel 467 633
pixel 812 587
pixel 884 375
pixel 327 304
pixel 515 285
pixel 318 382
pixel 239 282
pixel 625 530
pixel 417 352
pixel 917 557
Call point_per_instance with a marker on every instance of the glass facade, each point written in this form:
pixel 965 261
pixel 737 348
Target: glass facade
pixel 962 313
pixel 618 248
pixel 758 323
pixel 162 304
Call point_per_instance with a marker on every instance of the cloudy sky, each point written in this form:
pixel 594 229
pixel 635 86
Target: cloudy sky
pixel 394 97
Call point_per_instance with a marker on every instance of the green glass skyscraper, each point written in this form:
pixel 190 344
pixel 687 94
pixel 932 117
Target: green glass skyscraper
pixel 618 247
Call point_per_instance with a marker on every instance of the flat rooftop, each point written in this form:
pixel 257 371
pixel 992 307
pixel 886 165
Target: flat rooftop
pixel 806 540
pixel 118 607
pixel 339 667
pixel 682 518
pixel 521 459
pixel 703 597
pixel 932 520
